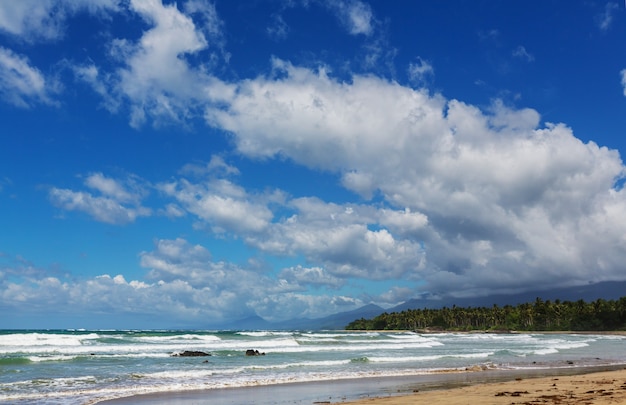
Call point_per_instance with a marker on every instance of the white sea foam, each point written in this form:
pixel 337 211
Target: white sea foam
pixel 42 339
pixel 186 338
pixel 124 363
pixel 264 333
pixel 409 359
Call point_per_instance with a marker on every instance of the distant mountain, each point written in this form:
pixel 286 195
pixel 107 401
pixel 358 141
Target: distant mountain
pixel 250 323
pixel 609 290
pixel 335 321
pixel 339 320
pixel 591 292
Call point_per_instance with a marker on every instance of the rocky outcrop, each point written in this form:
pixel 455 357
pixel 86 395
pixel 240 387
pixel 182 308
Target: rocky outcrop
pixel 191 353
pixel 251 352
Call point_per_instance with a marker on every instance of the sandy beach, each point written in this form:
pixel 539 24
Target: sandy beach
pixel 572 386
pixel 608 387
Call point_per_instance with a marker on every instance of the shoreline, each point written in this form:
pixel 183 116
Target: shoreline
pixel 599 388
pixel 493 332
pixel 447 387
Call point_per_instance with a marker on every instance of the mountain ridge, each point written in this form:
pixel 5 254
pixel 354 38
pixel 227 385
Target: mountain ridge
pixel 605 290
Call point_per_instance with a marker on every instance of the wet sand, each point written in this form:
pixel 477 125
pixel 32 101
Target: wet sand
pixel 588 385
pixel 599 388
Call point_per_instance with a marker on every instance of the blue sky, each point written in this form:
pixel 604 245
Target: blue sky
pixel 192 163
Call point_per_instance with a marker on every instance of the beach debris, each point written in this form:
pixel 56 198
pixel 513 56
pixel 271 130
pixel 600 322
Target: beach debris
pixel 191 353
pixel 478 367
pixel 252 352
pixel 511 394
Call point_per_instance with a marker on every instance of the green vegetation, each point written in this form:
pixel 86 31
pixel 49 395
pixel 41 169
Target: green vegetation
pixel 599 315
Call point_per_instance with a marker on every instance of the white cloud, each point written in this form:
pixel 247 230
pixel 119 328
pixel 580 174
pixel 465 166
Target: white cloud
pixel 315 276
pixel 605 19
pixel 212 25
pixel 31 18
pixel 403 222
pixel 493 192
pixel 295 305
pixel 395 295
pixel 468 196
pixel 230 291
pixel 184 286
pixel 336 236
pixel 157 79
pixel 278 29
pixel 110 188
pixel 225 206
pixel 22 84
pixel 325 118
pixel 522 53
pixel 360 183
pixel 339 238
pixel 419 71
pixel 119 202
pixel 45 19
pixel 91 75
pixel 154 77
pixel 216 166
pixel 355 15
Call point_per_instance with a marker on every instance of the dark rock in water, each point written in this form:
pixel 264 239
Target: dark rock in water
pixel 251 352
pixel 190 353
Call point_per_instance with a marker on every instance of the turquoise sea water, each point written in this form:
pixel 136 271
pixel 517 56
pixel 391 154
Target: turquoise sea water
pixel 83 367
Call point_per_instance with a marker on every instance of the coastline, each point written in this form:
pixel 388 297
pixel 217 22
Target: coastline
pixel 434 388
pixel 494 332
pixel 324 367
pixel 599 388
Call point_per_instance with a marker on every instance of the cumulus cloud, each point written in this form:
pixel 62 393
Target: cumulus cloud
pixel 496 193
pixel 306 276
pixel 21 83
pixel 189 279
pixel 347 240
pixel 395 295
pixel 182 286
pixel 474 199
pixel 116 202
pixel 468 199
pixel 153 77
pixel 339 237
pixel 223 205
pixel 221 289
pixel 157 78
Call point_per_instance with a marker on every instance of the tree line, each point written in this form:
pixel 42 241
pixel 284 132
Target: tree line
pixel 598 315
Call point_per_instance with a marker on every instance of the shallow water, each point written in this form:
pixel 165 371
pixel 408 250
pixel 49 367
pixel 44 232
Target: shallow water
pixel 79 367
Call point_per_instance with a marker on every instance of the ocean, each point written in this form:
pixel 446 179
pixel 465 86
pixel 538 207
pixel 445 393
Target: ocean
pixel 85 367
